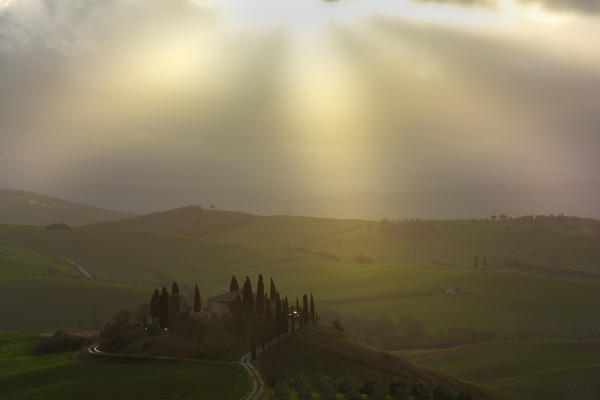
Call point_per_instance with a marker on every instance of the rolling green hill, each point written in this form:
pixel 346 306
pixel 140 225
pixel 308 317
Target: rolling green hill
pixel 26 208
pixel 57 376
pixel 539 282
pixel 191 220
pixel 408 278
pixel 317 351
pixel 44 292
pixel 552 369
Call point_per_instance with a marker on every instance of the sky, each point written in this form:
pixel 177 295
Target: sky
pixel 303 106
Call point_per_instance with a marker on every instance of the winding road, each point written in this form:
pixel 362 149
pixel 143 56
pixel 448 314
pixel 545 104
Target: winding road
pixel 258 384
pixel 81 270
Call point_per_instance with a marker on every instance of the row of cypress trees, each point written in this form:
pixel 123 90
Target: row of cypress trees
pixel 164 307
pixel 268 316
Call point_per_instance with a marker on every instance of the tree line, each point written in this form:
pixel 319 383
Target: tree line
pixel 268 315
pixel 418 227
pixel 265 315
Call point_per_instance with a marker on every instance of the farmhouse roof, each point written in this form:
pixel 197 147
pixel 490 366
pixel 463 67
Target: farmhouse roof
pixel 228 297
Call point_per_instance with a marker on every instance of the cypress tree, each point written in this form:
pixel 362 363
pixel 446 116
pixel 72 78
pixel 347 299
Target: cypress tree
pixel 197 304
pixel 248 300
pixel 154 307
pixel 268 324
pixel 175 300
pixel 278 315
pixel 312 309
pixel 476 262
pixel 286 315
pixel 272 290
pixel 305 311
pixel 260 296
pixel 237 313
pixel 298 311
pixel 163 308
pixel 233 286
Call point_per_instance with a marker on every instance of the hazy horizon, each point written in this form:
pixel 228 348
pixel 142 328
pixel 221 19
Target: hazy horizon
pixel 446 204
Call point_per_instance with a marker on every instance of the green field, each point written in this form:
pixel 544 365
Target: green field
pixel 545 369
pixel 508 303
pixel 293 250
pixel 44 292
pixel 409 277
pixel 56 376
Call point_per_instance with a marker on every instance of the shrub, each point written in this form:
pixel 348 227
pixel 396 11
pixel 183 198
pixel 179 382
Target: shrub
pixel 59 227
pixel 464 396
pixel 337 324
pixel 350 387
pixel 421 391
pixel 326 388
pixel 379 393
pixel 61 341
pixel 362 259
pixel 304 388
pixel 399 389
pixel 346 385
pixel 354 395
pixel 368 386
pixel 441 393
pixel 282 391
pixel 118 333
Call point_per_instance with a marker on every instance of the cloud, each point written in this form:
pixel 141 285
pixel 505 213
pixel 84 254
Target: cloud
pixel 146 104
pixel 465 3
pixel 581 6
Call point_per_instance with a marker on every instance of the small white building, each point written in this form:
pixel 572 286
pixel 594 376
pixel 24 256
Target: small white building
pixel 452 292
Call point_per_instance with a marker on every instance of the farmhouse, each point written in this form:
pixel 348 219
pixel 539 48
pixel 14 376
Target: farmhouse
pixel 220 305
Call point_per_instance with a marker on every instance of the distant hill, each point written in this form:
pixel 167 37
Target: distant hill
pixel 26 208
pixel 190 220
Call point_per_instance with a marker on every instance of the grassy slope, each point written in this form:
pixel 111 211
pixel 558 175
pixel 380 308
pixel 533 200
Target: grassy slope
pixel 134 257
pixel 16 262
pixel 52 303
pixel 191 220
pixel 55 376
pixel 552 369
pixel 63 300
pixel 506 302
pixel 26 208
pixel 318 350
pixel 17 343
pixel 457 243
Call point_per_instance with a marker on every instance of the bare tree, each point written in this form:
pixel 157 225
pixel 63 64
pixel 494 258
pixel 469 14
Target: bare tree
pixel 142 314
